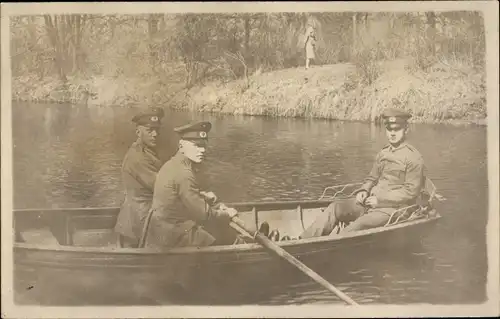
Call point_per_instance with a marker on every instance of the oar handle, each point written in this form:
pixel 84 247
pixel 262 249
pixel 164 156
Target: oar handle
pixel 267 243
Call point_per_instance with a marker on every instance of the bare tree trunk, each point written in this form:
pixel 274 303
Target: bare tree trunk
pixel 247 34
pixel 51 27
pixel 354 34
pixel 37 61
pixel 431 21
pixel 153 25
pixel 77 54
pixel 364 20
pixel 65 34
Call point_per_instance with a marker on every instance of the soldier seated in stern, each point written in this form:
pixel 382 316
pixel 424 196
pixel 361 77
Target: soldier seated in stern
pixel 180 208
pixel 395 181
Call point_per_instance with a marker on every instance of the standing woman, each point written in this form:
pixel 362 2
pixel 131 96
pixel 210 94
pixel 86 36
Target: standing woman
pixel 310 45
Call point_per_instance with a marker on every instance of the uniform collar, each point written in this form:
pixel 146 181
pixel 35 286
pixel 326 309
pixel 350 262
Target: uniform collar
pixel 393 149
pixel 143 147
pixel 184 160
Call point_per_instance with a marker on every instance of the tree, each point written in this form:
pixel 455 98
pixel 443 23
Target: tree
pixel 65 33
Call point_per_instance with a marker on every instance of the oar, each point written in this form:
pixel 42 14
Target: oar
pixel 277 250
pixel 142 240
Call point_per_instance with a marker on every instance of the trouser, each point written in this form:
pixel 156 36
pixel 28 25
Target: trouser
pixel 223 233
pixel 212 233
pixel 187 233
pixel 127 242
pixel 196 236
pixel 347 211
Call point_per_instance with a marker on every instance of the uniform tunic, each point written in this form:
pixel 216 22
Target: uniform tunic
pixel 397 176
pixel 178 207
pixel 396 179
pixel 139 170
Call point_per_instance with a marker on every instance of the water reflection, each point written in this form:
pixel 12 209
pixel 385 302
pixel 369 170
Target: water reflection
pixel 57 120
pixel 71 157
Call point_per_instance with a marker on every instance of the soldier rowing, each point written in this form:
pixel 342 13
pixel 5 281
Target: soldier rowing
pixel 180 209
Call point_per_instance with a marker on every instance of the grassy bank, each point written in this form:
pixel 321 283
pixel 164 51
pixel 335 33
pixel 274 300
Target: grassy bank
pixel 99 91
pixel 444 93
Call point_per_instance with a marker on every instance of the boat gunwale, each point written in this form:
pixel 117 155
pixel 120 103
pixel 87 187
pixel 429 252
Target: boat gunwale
pixel 248 247
pixel 236 204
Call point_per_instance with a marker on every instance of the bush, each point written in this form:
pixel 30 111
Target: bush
pixel 446 92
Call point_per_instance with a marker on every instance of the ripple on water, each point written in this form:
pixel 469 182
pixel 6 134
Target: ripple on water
pixel 248 163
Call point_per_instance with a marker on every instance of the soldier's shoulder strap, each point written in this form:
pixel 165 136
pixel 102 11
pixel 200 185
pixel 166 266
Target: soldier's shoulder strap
pixel 414 154
pixel 412 149
pixel 386 146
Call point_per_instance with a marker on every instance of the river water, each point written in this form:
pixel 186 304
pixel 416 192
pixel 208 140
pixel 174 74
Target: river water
pixel 70 156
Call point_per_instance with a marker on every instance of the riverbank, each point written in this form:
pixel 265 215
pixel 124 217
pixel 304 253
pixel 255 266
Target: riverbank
pixel 445 93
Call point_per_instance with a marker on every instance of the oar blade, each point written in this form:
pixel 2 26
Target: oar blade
pixel 277 250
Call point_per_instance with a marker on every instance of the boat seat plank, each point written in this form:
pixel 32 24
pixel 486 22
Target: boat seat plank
pixel 95 238
pixel 40 237
pixel 55 222
pixel 19 237
pixel 94 222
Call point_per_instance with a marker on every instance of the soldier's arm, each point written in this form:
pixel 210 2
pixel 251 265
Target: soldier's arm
pixel 372 177
pixel 190 195
pixel 143 171
pixel 410 189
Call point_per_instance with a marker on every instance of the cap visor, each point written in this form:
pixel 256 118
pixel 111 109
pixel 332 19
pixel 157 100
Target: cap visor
pixel 197 141
pixel 394 126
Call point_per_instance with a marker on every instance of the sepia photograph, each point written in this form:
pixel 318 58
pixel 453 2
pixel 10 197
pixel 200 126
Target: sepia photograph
pixel 224 159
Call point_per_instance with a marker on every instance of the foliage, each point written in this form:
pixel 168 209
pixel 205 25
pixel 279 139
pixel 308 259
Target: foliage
pixel 166 58
pixel 448 92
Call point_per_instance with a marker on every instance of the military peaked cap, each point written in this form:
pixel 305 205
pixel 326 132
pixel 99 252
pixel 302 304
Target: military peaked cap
pixel 194 131
pixel 151 117
pixel 395 116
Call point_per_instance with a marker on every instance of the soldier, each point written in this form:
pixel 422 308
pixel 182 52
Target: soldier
pixel 395 181
pixel 179 207
pixel 139 169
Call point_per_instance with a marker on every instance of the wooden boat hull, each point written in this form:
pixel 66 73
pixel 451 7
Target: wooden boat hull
pixel 110 275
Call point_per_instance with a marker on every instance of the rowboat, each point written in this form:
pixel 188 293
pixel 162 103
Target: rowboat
pixel 70 256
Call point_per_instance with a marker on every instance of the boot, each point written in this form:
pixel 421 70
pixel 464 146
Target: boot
pixel 264 229
pixel 274 235
pixel 286 237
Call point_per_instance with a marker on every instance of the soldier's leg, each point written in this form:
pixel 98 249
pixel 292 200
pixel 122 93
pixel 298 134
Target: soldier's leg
pixel 323 222
pixel 344 210
pixel 127 242
pixel 373 218
pixel 240 239
pixel 197 237
pixel 221 230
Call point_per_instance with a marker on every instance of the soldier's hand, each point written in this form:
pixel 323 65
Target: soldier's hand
pixel 372 202
pixel 361 196
pixel 231 212
pixel 209 197
pixel 227 212
pixel 222 207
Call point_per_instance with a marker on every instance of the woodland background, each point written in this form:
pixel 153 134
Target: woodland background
pixel 430 63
